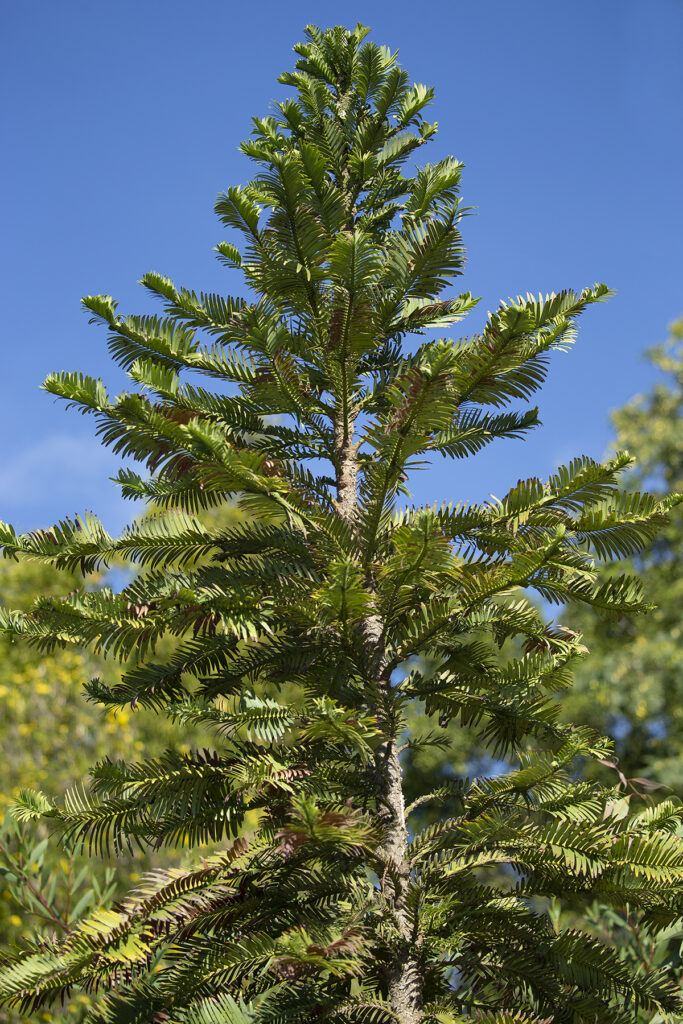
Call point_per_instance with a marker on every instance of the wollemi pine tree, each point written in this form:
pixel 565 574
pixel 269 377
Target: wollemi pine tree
pixel 302 634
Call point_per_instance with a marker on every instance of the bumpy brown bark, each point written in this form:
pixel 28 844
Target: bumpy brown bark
pixel 404 976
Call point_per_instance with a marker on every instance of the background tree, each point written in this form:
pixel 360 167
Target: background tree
pixel 632 685
pixel 333 594
pixel 50 736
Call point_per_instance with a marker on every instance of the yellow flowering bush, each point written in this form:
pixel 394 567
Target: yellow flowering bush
pixel 49 737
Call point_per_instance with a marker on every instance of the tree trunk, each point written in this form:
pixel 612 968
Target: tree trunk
pixel 404 974
pixel 404 977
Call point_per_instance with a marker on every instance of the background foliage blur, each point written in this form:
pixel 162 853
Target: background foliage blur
pixel 49 738
pixel 631 685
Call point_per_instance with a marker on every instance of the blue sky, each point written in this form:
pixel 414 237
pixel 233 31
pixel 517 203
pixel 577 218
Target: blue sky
pixel 120 123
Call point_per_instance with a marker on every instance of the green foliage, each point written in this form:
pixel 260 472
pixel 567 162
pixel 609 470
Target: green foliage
pixel 632 684
pixel 299 636
pixel 49 737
